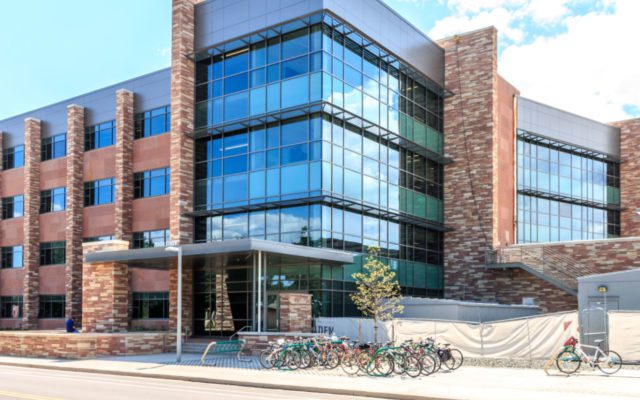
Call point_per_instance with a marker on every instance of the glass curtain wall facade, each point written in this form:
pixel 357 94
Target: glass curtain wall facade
pixel 311 134
pixel 565 192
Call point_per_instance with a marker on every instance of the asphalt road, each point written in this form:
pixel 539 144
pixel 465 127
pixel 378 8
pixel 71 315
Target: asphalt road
pixel 41 384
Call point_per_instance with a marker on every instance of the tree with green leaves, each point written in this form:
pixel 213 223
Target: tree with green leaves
pixel 377 291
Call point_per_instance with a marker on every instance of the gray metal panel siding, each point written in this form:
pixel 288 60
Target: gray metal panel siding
pixel 566 127
pixel 219 21
pixel 393 32
pixel 151 90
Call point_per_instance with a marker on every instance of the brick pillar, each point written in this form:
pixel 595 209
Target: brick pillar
pixel 124 164
pixel 629 176
pixel 295 312
pixel 182 116
pixel 31 223
pixel 75 203
pixel 182 150
pixel 105 291
pixel 470 129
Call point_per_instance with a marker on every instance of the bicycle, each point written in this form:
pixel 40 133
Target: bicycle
pixel 573 355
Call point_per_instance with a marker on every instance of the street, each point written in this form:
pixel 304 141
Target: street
pixel 41 384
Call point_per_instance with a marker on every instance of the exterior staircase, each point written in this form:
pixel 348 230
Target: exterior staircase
pixel 543 262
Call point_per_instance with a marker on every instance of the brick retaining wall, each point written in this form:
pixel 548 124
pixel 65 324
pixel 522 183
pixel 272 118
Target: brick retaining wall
pixel 82 345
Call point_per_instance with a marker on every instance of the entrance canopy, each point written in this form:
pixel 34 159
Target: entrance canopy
pixel 159 258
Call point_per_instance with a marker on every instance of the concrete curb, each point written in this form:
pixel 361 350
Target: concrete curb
pixel 259 385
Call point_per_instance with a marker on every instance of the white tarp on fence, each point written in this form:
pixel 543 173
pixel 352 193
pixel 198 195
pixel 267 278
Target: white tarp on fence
pixel 624 334
pixel 534 337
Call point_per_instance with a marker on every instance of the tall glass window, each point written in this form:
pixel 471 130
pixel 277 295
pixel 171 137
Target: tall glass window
pixel 53 200
pixel 565 193
pixel 54 147
pixel 150 305
pixel 52 253
pixel 51 306
pixel 100 135
pixel 99 192
pixel 13 157
pixel 153 122
pixel 12 207
pixel 157 238
pixel 155 182
pixel 11 257
pixel 307 126
pixel 11 307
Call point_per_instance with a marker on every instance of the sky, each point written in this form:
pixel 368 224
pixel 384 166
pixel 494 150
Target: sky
pixel 577 55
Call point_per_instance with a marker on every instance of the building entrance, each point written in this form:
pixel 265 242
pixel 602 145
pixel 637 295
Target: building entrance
pixel 223 296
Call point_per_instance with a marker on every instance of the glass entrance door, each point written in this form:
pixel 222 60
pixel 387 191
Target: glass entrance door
pixel 222 296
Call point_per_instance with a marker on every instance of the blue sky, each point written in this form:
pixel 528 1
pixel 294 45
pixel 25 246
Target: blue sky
pixel 53 50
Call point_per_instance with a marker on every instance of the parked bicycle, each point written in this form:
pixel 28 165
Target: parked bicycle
pixel 574 354
pixel 374 359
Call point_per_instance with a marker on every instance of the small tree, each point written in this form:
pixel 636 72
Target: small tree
pixel 377 291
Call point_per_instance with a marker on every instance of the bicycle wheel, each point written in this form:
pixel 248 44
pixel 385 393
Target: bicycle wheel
pixel 363 360
pixel 412 366
pixel 398 363
pixel 447 359
pixel 333 360
pixel 429 364
pixel 305 359
pixel 350 364
pixel 383 364
pixel 457 357
pixel 568 362
pixel 610 364
pixel 291 360
pixel 267 358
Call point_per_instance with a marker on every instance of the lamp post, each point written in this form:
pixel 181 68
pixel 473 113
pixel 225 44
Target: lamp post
pixel 178 249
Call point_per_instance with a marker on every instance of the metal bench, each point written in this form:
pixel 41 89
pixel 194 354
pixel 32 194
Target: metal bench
pixel 225 347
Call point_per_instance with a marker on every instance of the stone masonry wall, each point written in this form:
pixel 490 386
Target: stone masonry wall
pixel 105 291
pixel 182 116
pixel 470 125
pixel 69 346
pixel 182 149
pixel 124 164
pixel 629 176
pixel 31 223
pixel 598 256
pixel 75 204
pixel 295 312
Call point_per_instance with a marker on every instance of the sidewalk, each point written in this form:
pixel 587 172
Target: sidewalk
pixel 465 383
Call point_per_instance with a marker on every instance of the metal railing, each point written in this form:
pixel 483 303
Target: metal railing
pixel 239 330
pixel 545 260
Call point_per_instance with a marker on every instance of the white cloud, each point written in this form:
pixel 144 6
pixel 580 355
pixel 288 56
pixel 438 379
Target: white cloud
pixel 585 62
pixel 501 18
pixel 592 69
pixel 475 6
pixel 546 11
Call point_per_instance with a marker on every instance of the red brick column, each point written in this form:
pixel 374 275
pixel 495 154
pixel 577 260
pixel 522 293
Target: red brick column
pixel 295 312
pixel 105 291
pixel 470 130
pixel 182 115
pixel 629 176
pixel 75 203
pixel 31 224
pixel 124 164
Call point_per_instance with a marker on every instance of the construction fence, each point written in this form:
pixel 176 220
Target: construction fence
pixel 526 338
